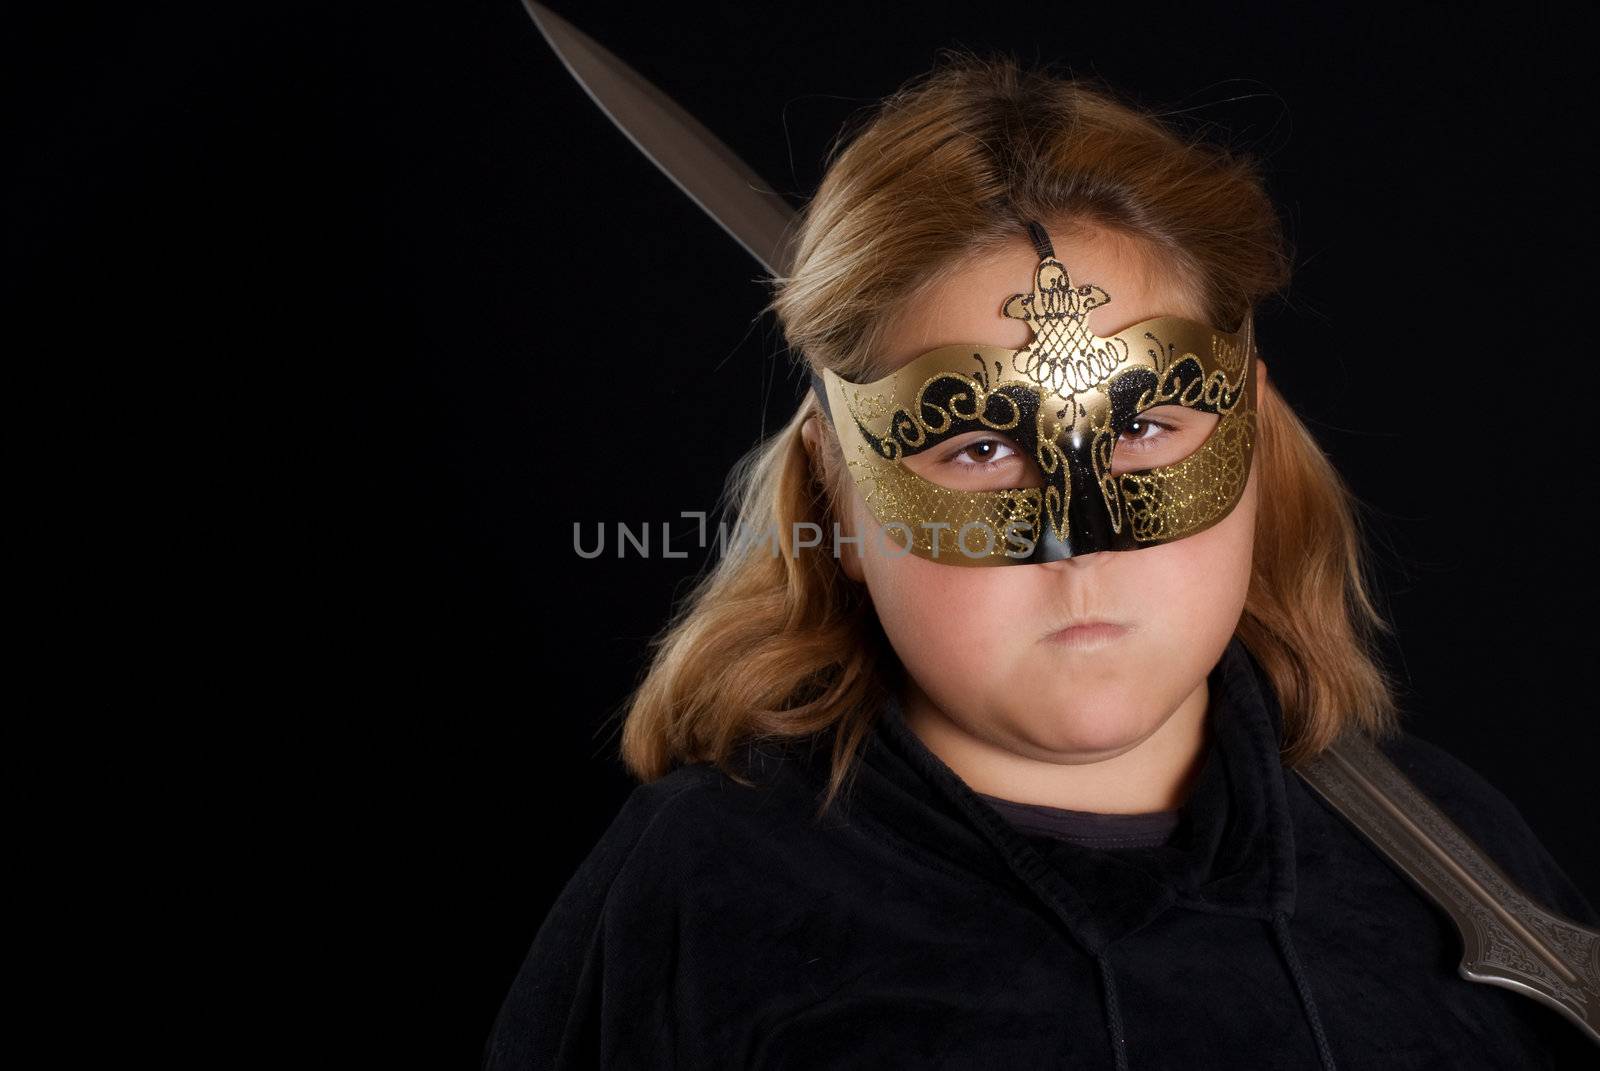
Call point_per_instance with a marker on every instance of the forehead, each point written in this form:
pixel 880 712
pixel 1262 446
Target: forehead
pixel 963 304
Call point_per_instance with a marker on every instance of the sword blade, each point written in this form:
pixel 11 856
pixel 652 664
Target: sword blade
pixel 719 182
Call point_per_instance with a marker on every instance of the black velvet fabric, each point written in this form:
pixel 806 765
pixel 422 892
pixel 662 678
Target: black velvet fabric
pixel 718 925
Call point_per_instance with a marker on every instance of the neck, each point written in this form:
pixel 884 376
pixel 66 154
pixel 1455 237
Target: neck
pixel 1154 774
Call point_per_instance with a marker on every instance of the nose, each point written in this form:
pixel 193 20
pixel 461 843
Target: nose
pixel 1058 552
pixel 1077 561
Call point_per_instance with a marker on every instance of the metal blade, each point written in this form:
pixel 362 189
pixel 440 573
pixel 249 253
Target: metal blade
pixel 755 215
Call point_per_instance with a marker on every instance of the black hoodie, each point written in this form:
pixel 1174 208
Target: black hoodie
pixel 718 925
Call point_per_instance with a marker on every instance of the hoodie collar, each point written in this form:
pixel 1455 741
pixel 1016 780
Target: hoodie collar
pixel 1232 852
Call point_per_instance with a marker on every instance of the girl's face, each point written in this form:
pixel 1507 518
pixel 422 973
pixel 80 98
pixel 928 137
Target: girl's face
pixel 980 645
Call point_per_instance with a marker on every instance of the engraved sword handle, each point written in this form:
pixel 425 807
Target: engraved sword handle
pixel 1508 939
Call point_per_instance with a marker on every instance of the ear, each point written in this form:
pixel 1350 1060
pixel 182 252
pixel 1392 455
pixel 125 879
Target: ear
pixel 809 430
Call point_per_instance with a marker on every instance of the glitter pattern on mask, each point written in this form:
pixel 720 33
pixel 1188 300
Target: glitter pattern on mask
pixel 1177 500
pixel 894 493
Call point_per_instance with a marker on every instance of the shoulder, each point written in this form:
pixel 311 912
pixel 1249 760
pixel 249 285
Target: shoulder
pixel 652 808
pixel 661 826
pixel 591 981
pixel 1491 819
pixel 554 1009
pixel 699 810
pixel 649 816
pixel 1447 780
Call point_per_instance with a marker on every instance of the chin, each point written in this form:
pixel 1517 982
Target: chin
pixel 1086 725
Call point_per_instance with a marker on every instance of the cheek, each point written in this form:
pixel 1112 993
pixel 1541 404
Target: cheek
pixel 1199 583
pixel 945 622
pixel 940 605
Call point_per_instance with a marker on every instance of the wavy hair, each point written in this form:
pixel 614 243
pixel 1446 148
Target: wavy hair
pixel 783 646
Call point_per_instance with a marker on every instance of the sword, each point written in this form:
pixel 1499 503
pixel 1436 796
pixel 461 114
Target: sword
pixel 1508 939
pixel 756 216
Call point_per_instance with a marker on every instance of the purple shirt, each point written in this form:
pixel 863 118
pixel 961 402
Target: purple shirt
pixel 1088 829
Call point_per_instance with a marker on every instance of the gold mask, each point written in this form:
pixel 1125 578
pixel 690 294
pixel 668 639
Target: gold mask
pixel 1064 400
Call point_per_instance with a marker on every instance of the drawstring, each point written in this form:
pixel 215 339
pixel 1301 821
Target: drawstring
pixel 1108 983
pixel 1280 931
pixel 1280 928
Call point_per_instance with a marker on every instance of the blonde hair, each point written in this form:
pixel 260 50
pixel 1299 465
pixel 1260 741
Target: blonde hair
pixel 783 647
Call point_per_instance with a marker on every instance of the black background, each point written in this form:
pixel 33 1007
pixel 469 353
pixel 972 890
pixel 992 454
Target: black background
pixel 334 320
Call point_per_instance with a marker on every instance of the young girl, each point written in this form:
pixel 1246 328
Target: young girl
pixel 990 766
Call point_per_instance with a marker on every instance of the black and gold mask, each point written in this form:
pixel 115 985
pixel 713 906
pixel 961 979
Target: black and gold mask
pixel 1064 400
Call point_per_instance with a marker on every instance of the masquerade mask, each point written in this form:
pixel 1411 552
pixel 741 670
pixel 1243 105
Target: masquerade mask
pixel 1063 401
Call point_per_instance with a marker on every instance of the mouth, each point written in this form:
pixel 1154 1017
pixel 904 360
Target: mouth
pixel 1087 635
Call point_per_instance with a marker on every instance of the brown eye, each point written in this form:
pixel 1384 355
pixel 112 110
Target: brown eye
pixel 983 452
pixel 977 461
pixel 1160 436
pixel 1142 432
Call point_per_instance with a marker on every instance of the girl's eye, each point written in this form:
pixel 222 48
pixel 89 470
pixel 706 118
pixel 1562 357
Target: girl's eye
pixel 978 461
pixel 982 452
pixel 1144 432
